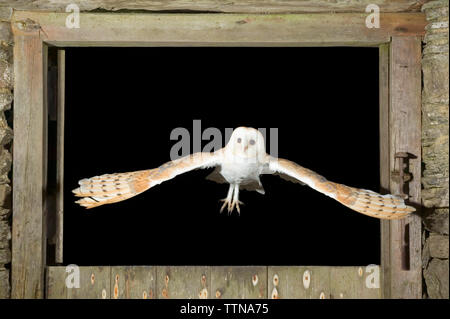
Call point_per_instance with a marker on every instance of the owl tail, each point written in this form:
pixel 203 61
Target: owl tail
pixel 372 204
pixel 111 188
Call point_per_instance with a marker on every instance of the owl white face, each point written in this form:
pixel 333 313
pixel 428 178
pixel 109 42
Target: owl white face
pixel 246 143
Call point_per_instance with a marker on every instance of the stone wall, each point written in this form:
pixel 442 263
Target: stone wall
pixel 6 97
pixel 435 137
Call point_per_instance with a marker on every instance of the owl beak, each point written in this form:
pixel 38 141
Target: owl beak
pixel 245 148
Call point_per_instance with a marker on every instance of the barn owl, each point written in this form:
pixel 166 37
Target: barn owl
pixel 240 164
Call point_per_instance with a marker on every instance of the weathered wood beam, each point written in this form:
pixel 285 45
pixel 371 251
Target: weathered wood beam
pixel 214 282
pixel 237 6
pixel 133 29
pixel 385 168
pixel 60 156
pixel 239 282
pixel 133 282
pixel 405 136
pixel 94 282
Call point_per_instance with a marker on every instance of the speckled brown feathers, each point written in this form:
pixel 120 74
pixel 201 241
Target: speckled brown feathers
pixel 372 204
pixel 112 188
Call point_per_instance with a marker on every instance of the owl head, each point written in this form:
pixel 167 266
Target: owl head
pixel 246 143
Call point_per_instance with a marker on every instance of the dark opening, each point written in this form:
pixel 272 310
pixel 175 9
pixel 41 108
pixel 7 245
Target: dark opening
pixel 123 103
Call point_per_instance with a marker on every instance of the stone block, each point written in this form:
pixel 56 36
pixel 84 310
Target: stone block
pixel 436 279
pixel 438 246
pixel 6 75
pixel 4 283
pixel 5 234
pixel 5 162
pixel 436 220
pixel 5 256
pixel 435 78
pixel 5 191
pixel 6 97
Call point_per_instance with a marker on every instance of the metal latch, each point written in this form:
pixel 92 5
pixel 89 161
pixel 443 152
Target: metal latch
pixel 401 176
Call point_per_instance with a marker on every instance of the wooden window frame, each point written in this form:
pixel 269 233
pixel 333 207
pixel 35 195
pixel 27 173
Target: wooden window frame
pixel 399 41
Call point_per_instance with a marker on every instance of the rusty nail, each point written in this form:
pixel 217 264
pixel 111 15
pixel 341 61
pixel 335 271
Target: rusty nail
pixel 218 294
pixel 306 279
pixel 164 293
pixel 275 280
pixel 203 294
pixel 360 272
pixel 274 293
pixel 166 279
pixel 116 291
pixel 92 279
pixel 203 280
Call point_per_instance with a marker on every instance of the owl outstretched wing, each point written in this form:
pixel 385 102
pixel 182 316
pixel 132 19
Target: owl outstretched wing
pixel 361 200
pixel 112 188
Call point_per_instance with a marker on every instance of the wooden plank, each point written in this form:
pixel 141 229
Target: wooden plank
pixel 237 6
pixel 95 283
pixel 134 29
pixel 405 136
pixel 298 282
pixel 239 282
pixel 286 282
pixel 28 232
pixel 56 283
pixel 315 282
pixel 133 282
pixel 183 282
pixel 228 282
pixel 320 282
pixel 385 169
pixel 355 282
pixel 60 158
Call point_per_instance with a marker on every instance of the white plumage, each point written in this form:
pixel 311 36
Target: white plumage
pixel 239 163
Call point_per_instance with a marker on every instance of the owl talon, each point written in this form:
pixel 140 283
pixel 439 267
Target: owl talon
pixel 226 202
pixel 231 205
pixel 236 204
pixel 232 200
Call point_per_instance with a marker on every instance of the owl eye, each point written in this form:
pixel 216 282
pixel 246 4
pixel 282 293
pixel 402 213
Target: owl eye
pixel 252 142
pixel 239 140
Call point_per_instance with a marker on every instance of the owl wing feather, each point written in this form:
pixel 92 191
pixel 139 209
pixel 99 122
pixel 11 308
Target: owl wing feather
pixel 361 200
pixel 112 188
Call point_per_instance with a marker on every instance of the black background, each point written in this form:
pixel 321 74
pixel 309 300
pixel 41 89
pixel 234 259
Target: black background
pixel 123 103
